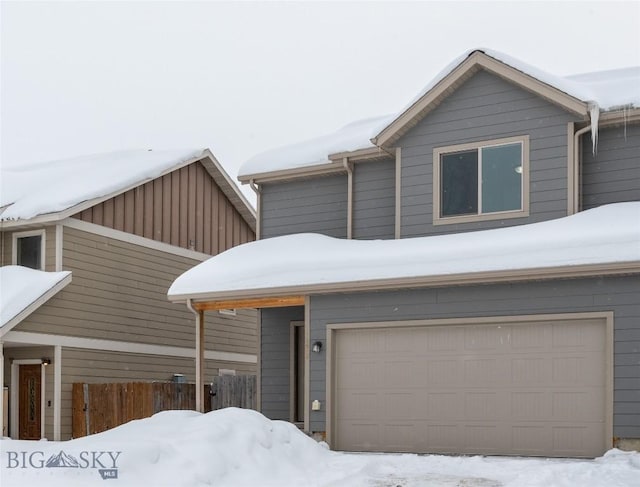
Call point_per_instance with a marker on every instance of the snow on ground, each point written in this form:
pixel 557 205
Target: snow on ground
pixel 235 447
pixel 21 286
pixel 607 234
pixel 46 187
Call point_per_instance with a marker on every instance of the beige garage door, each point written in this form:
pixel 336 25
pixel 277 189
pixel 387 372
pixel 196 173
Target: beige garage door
pixel 536 388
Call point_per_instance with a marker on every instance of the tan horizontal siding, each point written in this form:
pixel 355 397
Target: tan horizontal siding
pixel 89 366
pixel 5 248
pixel 185 208
pixel 118 292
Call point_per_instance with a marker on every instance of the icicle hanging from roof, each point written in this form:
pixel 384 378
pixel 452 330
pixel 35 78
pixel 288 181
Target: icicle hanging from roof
pixel 594 113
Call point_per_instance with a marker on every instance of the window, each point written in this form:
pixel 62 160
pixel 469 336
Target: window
pixel 481 181
pixel 28 249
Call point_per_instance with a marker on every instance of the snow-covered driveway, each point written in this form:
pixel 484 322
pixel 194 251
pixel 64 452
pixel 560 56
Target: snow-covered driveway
pixel 234 447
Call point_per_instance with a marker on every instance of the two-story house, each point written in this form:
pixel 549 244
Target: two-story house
pixel 470 282
pixel 88 249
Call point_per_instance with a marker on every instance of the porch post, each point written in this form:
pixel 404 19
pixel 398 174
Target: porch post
pixel 200 361
pixel 3 432
pixel 57 391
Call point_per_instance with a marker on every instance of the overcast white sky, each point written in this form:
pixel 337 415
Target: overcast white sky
pixel 238 77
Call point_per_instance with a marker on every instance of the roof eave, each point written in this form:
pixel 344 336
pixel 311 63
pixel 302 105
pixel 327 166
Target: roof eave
pixel 13 322
pixel 475 61
pixel 460 279
pixel 229 188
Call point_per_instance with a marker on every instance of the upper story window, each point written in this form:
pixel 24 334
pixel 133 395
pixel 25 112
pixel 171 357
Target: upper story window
pixel 481 181
pixel 28 249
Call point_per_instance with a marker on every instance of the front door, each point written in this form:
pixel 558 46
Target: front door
pixel 30 402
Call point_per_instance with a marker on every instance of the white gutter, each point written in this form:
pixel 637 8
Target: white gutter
pixel 348 168
pixel 199 356
pixel 577 168
pixel 256 189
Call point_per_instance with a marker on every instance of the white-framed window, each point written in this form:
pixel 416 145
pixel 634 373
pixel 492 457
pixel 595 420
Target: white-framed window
pixel 486 180
pixel 28 249
pixel 228 312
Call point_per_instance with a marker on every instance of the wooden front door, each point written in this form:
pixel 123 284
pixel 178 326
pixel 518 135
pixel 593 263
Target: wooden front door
pixel 30 402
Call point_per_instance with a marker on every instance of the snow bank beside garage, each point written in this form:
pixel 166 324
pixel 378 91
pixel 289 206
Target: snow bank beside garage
pixel 606 235
pixel 241 448
pixel 228 447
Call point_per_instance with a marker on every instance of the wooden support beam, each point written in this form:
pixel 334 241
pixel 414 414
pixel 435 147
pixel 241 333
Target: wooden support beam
pixel 200 361
pixel 250 303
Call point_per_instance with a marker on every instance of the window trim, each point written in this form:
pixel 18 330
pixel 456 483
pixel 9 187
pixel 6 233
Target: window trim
pixel 30 233
pixel 498 215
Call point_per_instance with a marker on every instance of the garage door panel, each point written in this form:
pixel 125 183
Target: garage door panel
pixel 525 389
pixel 435 373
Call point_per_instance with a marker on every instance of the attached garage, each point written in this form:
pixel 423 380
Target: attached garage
pixel 528 385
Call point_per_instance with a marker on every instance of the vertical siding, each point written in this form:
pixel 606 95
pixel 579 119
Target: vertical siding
pixel 22 353
pixel 91 366
pixel 486 107
pixel 612 174
pixel 374 193
pixel 317 205
pixel 185 208
pixel 618 294
pixel 274 381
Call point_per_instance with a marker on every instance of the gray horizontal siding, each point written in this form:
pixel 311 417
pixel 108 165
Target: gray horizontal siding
pixel 374 199
pixel 317 205
pixel 274 357
pixel 486 107
pixel 612 174
pixel 618 294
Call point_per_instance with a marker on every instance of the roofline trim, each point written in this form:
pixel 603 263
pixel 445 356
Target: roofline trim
pixel 476 60
pixel 52 217
pixel 46 296
pixel 488 277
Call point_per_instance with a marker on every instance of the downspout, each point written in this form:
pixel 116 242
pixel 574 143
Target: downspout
pixel 577 169
pixel 347 166
pixel 256 189
pixel 2 430
pixel 199 356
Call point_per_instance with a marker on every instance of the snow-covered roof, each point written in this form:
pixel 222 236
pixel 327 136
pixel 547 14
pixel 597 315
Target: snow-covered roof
pixel 49 187
pixel 309 262
pixel 22 290
pixel 601 91
pixel 354 136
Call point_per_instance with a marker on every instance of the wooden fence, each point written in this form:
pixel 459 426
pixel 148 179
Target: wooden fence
pixel 99 407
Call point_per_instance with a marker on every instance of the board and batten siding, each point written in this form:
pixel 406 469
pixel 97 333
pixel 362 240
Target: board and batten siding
pixel 317 205
pixel 118 292
pixel 99 367
pixel 612 174
pixel 374 193
pixel 275 326
pixel 486 107
pixel 618 294
pixel 184 208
